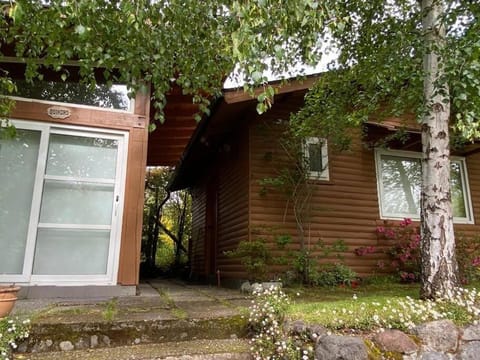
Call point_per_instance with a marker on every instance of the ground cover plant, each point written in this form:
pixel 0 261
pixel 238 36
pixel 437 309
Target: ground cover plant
pixel 376 305
pixel 12 331
pixel 382 304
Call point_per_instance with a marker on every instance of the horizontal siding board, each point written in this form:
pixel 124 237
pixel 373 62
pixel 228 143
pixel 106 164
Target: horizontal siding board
pixel 230 171
pixel 197 257
pixel 233 205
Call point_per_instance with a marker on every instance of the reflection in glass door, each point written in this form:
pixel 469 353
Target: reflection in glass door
pixel 62 190
pixel 18 163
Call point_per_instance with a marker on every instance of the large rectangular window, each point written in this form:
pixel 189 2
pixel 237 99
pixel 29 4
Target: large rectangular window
pixel 62 187
pixel 399 178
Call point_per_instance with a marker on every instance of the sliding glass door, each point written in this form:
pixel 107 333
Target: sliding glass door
pixel 18 163
pixel 64 189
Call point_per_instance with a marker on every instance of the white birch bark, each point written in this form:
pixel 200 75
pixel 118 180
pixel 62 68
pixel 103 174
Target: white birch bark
pixel 439 267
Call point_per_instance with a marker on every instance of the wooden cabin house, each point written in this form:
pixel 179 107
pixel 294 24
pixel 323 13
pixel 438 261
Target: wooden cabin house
pixel 352 191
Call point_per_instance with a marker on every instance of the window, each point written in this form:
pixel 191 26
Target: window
pixel 62 188
pixel 399 178
pixel 101 95
pixel 315 154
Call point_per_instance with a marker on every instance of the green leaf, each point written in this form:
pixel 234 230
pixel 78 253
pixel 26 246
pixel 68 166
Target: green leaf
pixel 257 76
pixel 261 108
pixel 152 127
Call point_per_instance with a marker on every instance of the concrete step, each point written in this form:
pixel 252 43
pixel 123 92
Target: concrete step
pixel 47 337
pixel 230 349
pixel 164 312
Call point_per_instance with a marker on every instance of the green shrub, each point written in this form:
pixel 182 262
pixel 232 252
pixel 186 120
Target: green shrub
pixel 332 275
pixel 306 265
pixel 255 257
pixel 165 256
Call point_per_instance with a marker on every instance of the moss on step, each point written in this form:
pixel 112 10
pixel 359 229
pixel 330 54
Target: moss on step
pixel 129 332
pixel 375 353
pixel 157 351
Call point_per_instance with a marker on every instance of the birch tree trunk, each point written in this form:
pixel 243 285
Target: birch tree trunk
pixel 439 266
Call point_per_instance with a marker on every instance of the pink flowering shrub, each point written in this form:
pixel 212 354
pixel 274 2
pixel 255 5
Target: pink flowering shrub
pixel 468 257
pixel 403 249
pixel 404 253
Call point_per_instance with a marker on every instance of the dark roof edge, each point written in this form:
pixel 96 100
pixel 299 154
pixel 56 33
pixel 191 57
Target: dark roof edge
pixel 235 95
pixel 172 185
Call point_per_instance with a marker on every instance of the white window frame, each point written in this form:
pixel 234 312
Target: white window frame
pixel 110 277
pixel 316 175
pixel 469 219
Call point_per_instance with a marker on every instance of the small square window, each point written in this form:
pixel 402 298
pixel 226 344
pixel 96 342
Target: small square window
pixel 315 155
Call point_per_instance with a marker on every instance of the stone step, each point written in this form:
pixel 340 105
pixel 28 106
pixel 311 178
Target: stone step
pixel 229 349
pixel 48 337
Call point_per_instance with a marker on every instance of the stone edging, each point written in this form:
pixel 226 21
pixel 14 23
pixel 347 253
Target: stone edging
pixel 436 340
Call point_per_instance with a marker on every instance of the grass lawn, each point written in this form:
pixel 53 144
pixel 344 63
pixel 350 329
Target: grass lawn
pixel 382 288
pixel 379 304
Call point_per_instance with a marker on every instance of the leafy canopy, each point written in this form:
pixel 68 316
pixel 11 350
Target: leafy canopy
pixel 380 68
pixel 190 43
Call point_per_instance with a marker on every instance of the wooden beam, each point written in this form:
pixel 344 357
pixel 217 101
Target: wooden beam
pixel 79 115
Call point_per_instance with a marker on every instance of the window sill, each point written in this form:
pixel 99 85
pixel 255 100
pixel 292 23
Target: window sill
pixel 416 221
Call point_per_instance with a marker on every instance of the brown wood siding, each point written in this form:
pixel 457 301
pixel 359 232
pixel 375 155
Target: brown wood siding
pixel 228 176
pixel 233 202
pixel 136 126
pixel 343 208
pixel 199 206
pixel 167 143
